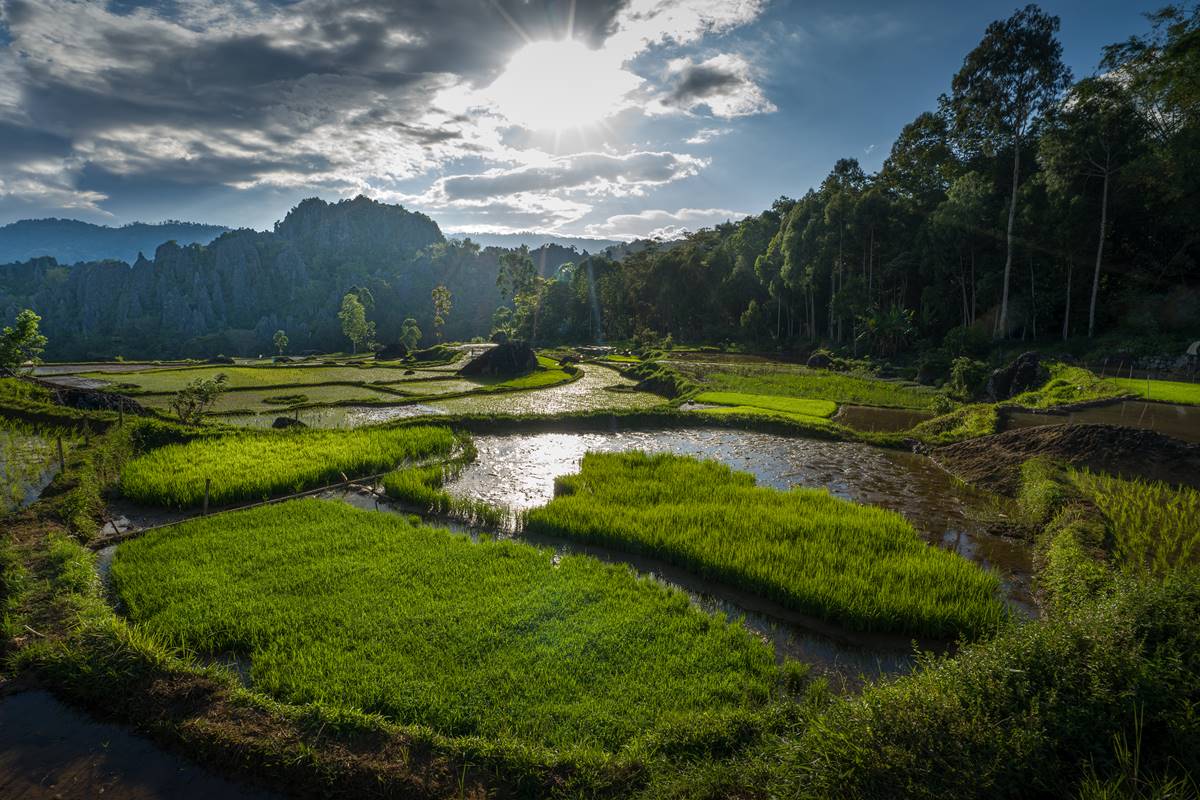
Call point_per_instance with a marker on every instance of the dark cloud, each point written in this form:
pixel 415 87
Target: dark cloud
pixel 630 171
pixel 699 81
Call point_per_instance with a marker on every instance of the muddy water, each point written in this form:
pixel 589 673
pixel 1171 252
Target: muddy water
pixel 1179 421
pixel 334 417
pixel 883 420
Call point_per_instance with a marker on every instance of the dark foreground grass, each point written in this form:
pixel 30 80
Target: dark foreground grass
pixel 253 465
pixel 859 566
pixel 368 611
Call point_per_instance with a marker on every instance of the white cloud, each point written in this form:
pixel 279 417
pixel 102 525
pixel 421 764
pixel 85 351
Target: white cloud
pixel 725 84
pixel 645 23
pixel 660 224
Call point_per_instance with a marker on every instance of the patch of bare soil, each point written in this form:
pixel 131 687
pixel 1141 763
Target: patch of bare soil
pixel 994 462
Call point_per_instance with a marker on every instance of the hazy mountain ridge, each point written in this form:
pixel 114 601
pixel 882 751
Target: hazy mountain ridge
pixel 70 241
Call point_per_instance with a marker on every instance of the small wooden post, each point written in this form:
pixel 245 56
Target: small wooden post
pixel 62 461
pixel 207 488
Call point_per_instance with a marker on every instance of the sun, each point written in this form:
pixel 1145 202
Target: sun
pixel 552 85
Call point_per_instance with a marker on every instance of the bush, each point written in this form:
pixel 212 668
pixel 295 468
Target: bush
pixel 962 341
pixel 967 377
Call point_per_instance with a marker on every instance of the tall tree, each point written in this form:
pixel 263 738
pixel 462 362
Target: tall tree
pixel 21 342
pixel 280 340
pixel 1006 83
pixel 355 326
pixel 441 308
pixel 1095 134
pixel 410 334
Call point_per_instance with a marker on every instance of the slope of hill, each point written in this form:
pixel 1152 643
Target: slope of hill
pixel 69 241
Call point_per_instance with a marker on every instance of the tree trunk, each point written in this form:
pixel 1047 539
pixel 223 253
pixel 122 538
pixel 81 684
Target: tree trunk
pixel 1002 323
pixel 1067 313
pixel 1099 255
pixel 1032 302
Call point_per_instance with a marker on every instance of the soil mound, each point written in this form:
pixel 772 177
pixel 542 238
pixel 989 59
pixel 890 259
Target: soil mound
pixel 994 462
pixel 503 360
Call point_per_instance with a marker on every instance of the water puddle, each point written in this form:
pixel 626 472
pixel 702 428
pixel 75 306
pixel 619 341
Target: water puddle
pixel 1179 421
pixel 881 420
pixel 334 416
pixel 28 464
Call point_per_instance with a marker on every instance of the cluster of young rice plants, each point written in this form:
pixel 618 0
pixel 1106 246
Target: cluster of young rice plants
pixel 820 385
pixel 498 639
pixel 863 567
pixel 1154 526
pixel 254 465
pixel 767 402
pixel 26 456
pixel 422 487
pixel 1162 391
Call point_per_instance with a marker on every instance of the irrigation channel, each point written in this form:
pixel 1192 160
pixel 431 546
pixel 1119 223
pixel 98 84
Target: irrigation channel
pixel 517 471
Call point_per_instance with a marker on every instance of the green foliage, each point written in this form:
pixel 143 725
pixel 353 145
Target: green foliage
pixel 256 465
pixel 659 378
pixel 966 422
pixel 967 377
pixel 194 400
pixel 1043 490
pixel 21 342
pixel 966 341
pixel 353 319
pixel 422 487
pixel 1067 386
pixel 1028 713
pixel 441 308
pixel 410 334
pixel 280 340
pixel 860 566
pixel 494 639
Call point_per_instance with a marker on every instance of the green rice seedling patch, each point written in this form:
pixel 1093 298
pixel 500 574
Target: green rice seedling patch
pixel 254 465
pixel 1154 526
pixel 790 405
pixel 498 639
pixel 1160 391
pixel 821 385
pixel 860 566
pixel 1068 385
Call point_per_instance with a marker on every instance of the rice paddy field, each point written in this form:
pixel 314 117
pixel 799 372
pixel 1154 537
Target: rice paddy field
pixel 268 400
pixel 247 377
pixel 28 459
pixel 360 610
pixel 1153 526
pixel 862 567
pixel 255 465
pixel 590 392
pixel 1160 391
pixel 800 382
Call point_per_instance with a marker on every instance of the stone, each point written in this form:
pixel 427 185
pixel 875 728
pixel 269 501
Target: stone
pixel 1024 373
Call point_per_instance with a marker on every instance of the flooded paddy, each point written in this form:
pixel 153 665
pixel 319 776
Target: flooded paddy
pixel 28 463
pixel 1179 421
pixel 591 392
pixel 879 419
pixel 333 416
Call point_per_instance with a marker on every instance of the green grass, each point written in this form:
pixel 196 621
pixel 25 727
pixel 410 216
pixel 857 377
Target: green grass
pixel 255 465
pixel 860 566
pixel 967 422
pixel 821 385
pixel 1068 385
pixel 789 405
pixel 1161 391
pixel 422 487
pixel 1152 525
pixel 362 610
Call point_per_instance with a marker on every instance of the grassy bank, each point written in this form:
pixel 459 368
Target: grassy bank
pixel 496 639
pixel 254 465
pixel 859 566
pixel 1160 391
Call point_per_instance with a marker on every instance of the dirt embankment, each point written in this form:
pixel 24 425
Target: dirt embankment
pixel 994 462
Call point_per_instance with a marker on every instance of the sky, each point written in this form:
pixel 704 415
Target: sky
pixel 614 119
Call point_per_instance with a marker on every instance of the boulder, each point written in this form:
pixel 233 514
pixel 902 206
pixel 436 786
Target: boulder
pixel 500 337
pixel 819 360
pixel 503 360
pixel 392 352
pixel 287 422
pixel 1024 373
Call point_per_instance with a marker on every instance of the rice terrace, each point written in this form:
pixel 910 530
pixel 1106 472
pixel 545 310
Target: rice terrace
pixel 889 490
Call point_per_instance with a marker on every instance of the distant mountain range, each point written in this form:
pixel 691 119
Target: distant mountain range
pixel 536 240
pixel 69 241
